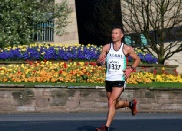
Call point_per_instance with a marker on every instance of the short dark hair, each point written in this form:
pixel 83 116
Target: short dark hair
pixel 118 27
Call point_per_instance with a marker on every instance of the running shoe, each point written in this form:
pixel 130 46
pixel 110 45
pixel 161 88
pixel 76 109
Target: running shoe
pixel 102 129
pixel 133 108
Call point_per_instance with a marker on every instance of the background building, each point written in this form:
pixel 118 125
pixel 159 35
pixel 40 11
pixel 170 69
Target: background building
pixel 72 31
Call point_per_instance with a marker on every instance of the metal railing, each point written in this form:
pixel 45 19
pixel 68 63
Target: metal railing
pixel 46 33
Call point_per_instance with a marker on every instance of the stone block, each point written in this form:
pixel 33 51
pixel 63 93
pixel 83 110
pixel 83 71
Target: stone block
pixel 127 95
pixel 87 104
pixel 7 109
pixel 5 94
pixel 101 105
pixel 143 106
pixel 139 94
pixel 60 93
pixel 22 97
pixel 72 92
pixel 142 100
pixel 177 101
pixel 152 100
pixel 38 93
pixel 25 108
pixel 149 94
pixel 88 98
pixel 176 95
pixel 72 104
pixel 42 102
pixel 93 96
pixel 17 94
pixel 48 89
pixel 58 101
pixel 28 93
pixel 173 107
pixel 165 101
pixel 163 94
pixel 47 93
pixel 151 106
pixel 59 98
pixel 84 93
pixel 102 92
pixel 22 101
pixel 73 100
pixel 5 101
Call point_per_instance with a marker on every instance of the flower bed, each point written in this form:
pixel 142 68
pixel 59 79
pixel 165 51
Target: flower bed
pixel 58 52
pixel 72 63
pixel 81 72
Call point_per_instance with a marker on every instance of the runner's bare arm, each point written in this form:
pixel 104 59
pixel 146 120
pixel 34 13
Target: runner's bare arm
pixel 130 51
pixel 102 56
pixel 134 56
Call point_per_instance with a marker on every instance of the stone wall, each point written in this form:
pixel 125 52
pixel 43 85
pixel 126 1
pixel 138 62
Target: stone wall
pixel 169 69
pixel 71 99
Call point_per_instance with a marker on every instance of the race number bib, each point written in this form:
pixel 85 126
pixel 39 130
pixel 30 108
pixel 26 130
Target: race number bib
pixel 114 65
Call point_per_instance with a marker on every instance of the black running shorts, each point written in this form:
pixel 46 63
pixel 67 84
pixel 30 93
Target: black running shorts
pixel 110 84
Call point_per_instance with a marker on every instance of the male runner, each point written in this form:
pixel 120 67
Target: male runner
pixel 114 56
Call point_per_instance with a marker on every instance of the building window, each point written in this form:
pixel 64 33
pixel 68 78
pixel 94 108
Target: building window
pixel 136 40
pixel 46 32
pixel 143 40
pixel 128 40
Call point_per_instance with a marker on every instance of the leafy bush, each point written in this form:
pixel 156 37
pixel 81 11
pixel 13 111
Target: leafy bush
pixel 20 20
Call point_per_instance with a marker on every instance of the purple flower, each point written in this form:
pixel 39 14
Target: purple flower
pixel 85 53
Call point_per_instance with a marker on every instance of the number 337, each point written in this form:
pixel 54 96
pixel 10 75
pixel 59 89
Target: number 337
pixel 114 66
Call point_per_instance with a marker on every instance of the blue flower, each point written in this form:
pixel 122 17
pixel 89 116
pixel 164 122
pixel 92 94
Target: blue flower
pixel 64 53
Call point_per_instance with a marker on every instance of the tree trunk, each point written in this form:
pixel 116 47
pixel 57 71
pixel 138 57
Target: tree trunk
pixel 161 59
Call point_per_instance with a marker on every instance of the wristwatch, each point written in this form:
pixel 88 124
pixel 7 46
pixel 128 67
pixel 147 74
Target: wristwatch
pixel 132 68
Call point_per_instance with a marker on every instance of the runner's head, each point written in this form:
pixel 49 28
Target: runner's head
pixel 117 34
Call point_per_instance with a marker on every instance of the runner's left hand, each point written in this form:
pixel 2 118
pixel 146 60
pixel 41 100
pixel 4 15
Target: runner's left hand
pixel 127 72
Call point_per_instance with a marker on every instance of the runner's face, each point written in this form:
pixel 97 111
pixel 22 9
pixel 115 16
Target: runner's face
pixel 116 35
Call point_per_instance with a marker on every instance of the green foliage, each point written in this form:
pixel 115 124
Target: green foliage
pixel 19 19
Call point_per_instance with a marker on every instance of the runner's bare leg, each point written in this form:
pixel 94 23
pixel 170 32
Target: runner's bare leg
pixel 112 100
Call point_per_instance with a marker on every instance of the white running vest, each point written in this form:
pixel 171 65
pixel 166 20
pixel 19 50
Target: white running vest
pixel 115 64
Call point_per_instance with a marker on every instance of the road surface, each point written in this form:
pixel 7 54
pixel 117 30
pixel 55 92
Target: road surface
pixel 89 121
